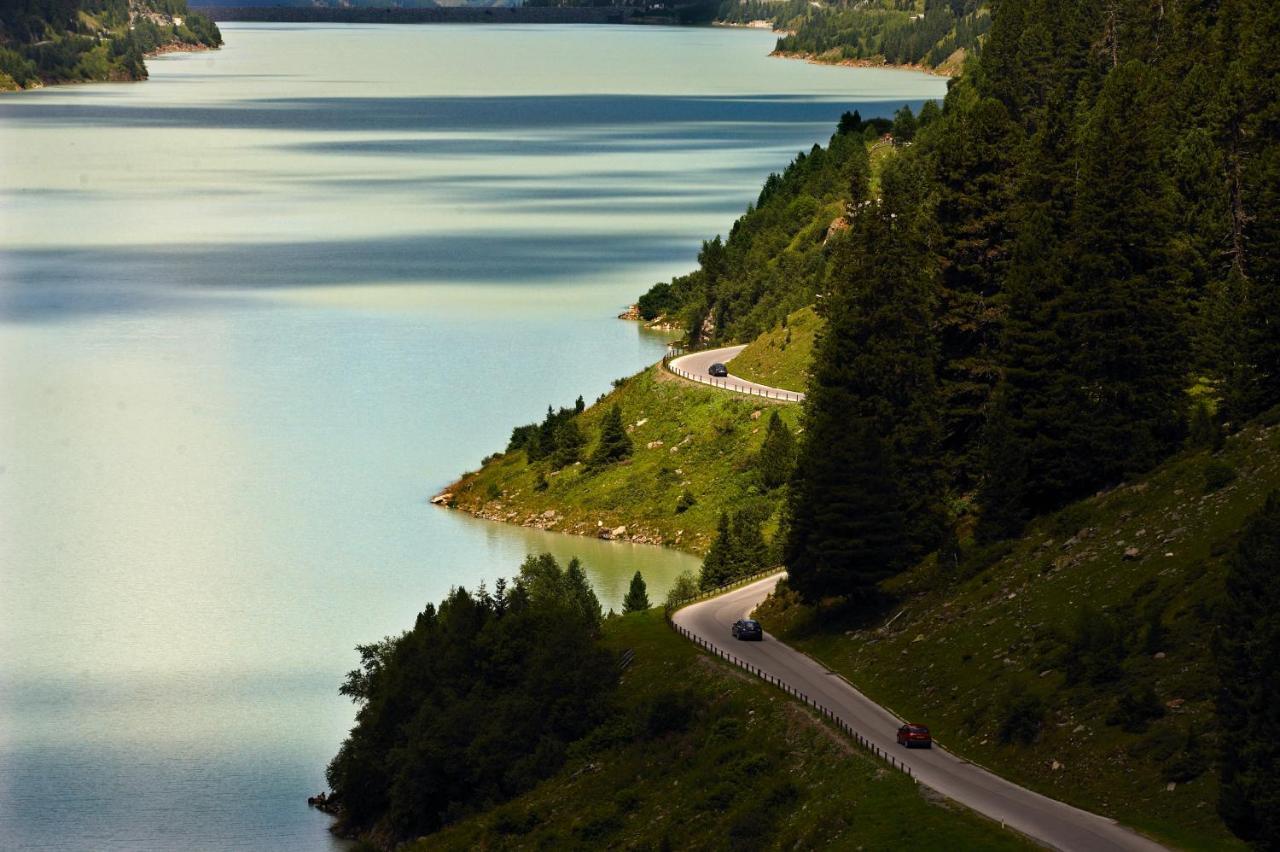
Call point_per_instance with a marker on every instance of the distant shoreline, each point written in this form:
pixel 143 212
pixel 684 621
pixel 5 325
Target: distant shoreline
pixel 439 15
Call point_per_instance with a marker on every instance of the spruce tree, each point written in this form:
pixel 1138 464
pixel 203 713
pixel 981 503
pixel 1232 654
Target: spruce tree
pixel 614 443
pixel 1245 650
pixel 1095 352
pixel 1120 319
pixel 972 153
pixel 845 513
pixel 569 442
pixel 748 544
pixel 777 453
pixel 718 566
pixel 637 599
pixel 877 354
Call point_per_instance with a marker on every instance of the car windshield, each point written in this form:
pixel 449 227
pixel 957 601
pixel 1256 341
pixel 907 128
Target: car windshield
pixel 750 625
pixel 918 729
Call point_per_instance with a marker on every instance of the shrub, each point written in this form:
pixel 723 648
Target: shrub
pixel 684 588
pixel 1021 716
pixel 685 501
pixel 1218 474
pixel 1135 709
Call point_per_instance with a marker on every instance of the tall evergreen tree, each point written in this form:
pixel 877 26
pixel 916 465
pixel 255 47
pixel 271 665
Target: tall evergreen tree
pixel 1250 128
pixel 721 558
pixel 748 543
pixel 777 453
pixel 1121 318
pixel 569 442
pixel 1095 351
pixel 637 598
pixel 878 353
pixel 846 517
pixel 972 155
pixel 614 443
pixel 1247 651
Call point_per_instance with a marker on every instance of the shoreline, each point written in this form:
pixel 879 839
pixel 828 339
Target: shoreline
pixel 815 59
pixel 176 47
pixel 163 50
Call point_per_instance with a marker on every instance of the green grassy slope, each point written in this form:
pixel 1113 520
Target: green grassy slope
pixel 1064 619
pixel 740 764
pixel 780 357
pixel 685 436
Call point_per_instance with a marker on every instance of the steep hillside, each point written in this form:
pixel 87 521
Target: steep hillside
pixel 44 41
pixel 1075 659
pixel 693 453
pixel 776 257
pixel 780 357
pixel 707 758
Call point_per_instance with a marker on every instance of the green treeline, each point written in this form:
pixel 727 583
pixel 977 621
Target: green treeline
pixel 478 702
pixel 901 32
pixel 57 41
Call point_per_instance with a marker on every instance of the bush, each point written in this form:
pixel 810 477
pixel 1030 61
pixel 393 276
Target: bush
pixel 1095 650
pixel 685 501
pixel 1188 763
pixel 684 588
pixel 1218 474
pixel 1136 709
pixel 1021 716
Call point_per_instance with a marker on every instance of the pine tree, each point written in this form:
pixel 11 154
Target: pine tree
pixel 569 442
pixel 1245 650
pixel 748 544
pixel 718 566
pixel 845 514
pixel 877 354
pixel 614 443
pixel 1120 319
pixel 972 154
pixel 777 453
pixel 1095 349
pixel 637 599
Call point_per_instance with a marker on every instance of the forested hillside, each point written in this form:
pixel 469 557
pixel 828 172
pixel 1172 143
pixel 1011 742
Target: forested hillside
pixel 1069 277
pixel 65 41
pixel 775 260
pixel 932 33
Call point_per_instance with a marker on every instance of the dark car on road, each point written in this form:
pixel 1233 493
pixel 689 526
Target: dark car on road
pixel 747 629
pixel 914 735
pixel 718 369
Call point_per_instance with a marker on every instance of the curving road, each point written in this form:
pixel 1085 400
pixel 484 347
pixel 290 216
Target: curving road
pixel 1048 821
pixel 694 367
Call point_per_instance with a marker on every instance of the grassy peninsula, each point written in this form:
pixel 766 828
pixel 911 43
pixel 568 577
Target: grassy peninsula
pixel 44 42
pixel 694 454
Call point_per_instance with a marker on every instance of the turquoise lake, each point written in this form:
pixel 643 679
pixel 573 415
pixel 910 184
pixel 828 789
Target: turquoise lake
pixel 255 311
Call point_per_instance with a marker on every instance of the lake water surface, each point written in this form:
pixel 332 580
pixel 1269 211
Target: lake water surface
pixel 254 311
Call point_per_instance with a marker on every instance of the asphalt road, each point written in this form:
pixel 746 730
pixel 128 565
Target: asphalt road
pixel 694 366
pixel 1048 821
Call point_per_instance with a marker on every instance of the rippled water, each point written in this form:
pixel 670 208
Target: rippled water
pixel 254 311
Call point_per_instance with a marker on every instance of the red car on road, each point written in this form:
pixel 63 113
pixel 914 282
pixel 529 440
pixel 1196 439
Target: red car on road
pixel 914 735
